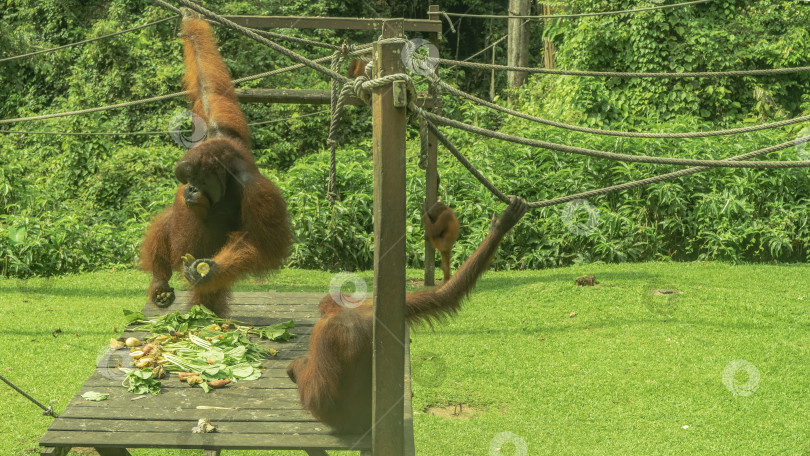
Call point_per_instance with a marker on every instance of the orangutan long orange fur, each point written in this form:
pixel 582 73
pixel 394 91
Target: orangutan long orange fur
pixel 334 377
pixel 225 211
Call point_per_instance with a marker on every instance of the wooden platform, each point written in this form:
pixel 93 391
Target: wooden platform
pixel 261 414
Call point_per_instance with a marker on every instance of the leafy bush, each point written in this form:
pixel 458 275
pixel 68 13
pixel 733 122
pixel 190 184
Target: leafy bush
pixel 79 203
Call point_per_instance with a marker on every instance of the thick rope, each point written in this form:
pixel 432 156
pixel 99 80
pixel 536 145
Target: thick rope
pixel 159 21
pixel 337 98
pixel 144 133
pixel 159 98
pixel 613 74
pixel 601 191
pixel 612 155
pixel 47 411
pixel 494 43
pixel 629 134
pixel 463 160
pixel 554 16
pixel 423 144
pixel 659 178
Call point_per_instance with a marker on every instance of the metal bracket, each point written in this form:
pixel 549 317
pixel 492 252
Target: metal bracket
pixel 400 94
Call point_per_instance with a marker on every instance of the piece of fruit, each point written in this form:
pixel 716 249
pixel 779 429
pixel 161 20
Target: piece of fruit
pixel 203 269
pixel 115 344
pixel 132 342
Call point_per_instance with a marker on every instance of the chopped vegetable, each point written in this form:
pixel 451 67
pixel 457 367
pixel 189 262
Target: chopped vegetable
pixel 142 382
pixel 200 344
pixel 218 383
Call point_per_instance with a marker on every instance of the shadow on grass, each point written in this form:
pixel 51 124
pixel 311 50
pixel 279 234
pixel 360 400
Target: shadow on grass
pixel 530 277
pixel 47 288
pixel 613 323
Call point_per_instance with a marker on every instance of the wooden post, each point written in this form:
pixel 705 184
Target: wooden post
pixel 518 41
pixel 432 171
pixel 548 46
pixel 388 126
pixel 492 74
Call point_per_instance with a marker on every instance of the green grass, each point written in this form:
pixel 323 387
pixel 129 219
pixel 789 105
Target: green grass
pixel 624 375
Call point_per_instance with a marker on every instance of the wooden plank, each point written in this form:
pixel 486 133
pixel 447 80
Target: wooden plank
pixel 158 414
pixel 255 313
pixel 189 398
pixel 270 379
pixel 182 426
pixel 311 300
pixel 54 451
pixel 302 96
pixel 333 23
pixel 388 127
pixel 243 441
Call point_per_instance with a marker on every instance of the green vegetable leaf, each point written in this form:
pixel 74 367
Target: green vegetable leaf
pixel 141 382
pixel 131 316
pixel 94 396
pixel 277 332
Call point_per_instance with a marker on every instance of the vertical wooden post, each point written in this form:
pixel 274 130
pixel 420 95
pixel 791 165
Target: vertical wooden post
pixel 518 41
pixel 388 126
pixel 432 171
pixel 492 73
pixel 548 46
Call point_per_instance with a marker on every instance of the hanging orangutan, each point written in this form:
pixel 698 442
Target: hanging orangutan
pixel 334 377
pixel 227 220
pixel 441 229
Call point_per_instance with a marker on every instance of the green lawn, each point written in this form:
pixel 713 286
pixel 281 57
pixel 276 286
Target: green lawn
pixel 559 369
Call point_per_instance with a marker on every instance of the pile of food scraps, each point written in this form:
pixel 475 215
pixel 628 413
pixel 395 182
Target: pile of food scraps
pixel 200 347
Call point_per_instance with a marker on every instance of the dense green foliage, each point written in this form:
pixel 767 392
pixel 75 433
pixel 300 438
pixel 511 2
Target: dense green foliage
pixel 73 203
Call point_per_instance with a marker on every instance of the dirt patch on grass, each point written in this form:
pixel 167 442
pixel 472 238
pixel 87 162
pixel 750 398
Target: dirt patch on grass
pixel 462 411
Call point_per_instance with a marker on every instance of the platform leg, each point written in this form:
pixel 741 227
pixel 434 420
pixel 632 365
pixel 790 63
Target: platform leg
pixel 317 452
pixel 211 452
pixel 54 451
pixel 112 451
